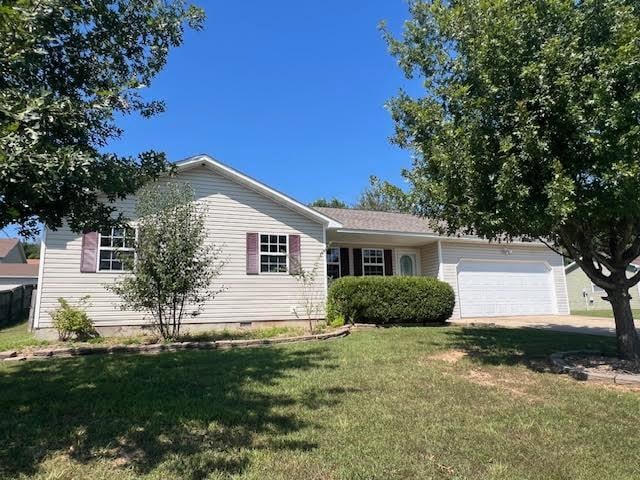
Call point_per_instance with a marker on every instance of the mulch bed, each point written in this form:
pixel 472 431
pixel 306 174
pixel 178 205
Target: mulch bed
pixel 602 364
pixel 595 367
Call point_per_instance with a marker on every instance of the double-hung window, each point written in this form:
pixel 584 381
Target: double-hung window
pixel 273 253
pixel 372 261
pixel 333 263
pixel 116 245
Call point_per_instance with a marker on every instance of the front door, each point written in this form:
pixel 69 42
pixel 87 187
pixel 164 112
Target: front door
pixel 407 261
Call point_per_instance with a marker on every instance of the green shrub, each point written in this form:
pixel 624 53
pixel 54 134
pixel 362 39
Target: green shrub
pixel 71 320
pixel 385 300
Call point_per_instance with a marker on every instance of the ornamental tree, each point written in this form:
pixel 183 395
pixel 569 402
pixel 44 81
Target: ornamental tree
pixel 174 267
pixel 68 70
pixel 529 126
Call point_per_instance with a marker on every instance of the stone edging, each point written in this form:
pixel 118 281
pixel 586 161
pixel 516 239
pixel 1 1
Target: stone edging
pixel 65 352
pixel 580 373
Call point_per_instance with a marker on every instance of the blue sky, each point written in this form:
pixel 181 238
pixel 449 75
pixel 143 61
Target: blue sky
pixel 289 92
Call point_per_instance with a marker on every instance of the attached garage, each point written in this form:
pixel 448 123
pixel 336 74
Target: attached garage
pixel 498 280
pixel 504 288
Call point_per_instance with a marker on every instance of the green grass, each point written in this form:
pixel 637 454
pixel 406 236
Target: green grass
pixel 601 313
pixel 412 403
pixel 17 337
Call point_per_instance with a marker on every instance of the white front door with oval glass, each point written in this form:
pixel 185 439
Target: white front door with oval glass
pixel 407 263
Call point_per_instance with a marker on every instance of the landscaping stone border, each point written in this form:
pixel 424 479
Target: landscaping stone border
pixel 580 373
pixel 66 352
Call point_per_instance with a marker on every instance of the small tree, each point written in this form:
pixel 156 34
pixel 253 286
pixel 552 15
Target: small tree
pixel 175 265
pixel 310 296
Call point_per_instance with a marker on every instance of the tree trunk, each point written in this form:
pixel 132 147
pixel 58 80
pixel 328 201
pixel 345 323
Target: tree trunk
pixel 627 336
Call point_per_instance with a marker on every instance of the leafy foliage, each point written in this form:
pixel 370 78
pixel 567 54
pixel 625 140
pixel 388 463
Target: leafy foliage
pixel 529 127
pixel 68 69
pixel 72 320
pixel 310 289
pixel 175 265
pixel 31 250
pixel 332 203
pixel 384 300
pixel 383 196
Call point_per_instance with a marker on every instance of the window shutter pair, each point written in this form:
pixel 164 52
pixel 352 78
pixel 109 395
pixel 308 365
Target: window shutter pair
pixel 357 262
pixel 89 252
pixel 253 254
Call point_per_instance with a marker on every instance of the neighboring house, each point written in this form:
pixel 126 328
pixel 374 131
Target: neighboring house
pixel 585 295
pixel 263 232
pixel 13 275
pixel 15 269
pixel 11 251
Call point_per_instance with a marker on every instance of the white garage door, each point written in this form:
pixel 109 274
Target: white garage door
pixel 491 289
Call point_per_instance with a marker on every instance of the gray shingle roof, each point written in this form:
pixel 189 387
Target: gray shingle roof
pixel 6 244
pixel 18 270
pixel 382 221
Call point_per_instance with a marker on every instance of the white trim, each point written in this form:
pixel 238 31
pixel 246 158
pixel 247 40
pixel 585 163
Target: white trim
pixel 326 277
pixel 113 249
pixel 440 264
pixel 436 237
pixel 286 255
pixel 415 254
pixel 239 177
pixel 327 263
pixel 43 254
pixel 566 288
pixel 384 273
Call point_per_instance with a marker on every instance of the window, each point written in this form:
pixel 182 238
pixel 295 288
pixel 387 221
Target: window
pixel 597 289
pixel 273 253
pixel 372 261
pixel 116 244
pixel 333 263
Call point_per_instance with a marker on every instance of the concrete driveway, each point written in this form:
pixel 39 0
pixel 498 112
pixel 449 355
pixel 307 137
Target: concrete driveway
pixel 561 323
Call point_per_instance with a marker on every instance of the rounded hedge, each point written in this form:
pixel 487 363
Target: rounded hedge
pixel 386 300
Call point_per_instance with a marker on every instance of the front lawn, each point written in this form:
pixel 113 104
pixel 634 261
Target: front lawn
pixel 601 313
pixel 17 337
pixel 443 402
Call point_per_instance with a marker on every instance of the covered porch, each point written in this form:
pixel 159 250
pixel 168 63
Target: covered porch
pixel 381 253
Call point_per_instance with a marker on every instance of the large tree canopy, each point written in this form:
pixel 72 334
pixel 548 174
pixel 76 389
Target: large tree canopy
pixel 68 69
pixel 530 127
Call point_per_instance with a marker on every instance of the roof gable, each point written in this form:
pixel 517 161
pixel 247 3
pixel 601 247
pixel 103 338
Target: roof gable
pixel 8 244
pixel 259 187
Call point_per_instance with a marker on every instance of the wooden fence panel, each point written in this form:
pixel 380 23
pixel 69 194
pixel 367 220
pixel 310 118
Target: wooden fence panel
pixel 15 304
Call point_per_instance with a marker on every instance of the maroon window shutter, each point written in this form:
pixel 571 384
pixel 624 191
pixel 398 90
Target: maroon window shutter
pixel 253 256
pixel 357 262
pixel 89 254
pixel 295 265
pixel 388 263
pixel 344 262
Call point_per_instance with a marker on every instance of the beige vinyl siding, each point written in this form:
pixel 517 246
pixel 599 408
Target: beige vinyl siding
pixel 232 211
pixel 454 251
pixel 430 262
pixel 577 281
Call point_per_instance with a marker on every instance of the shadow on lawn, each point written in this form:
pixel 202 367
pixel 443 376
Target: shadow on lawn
pixel 195 411
pixel 528 346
